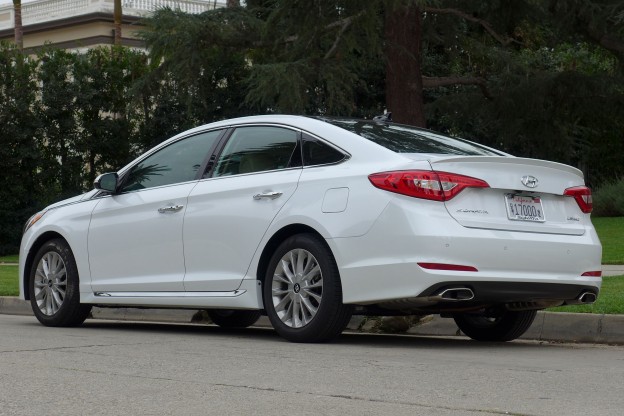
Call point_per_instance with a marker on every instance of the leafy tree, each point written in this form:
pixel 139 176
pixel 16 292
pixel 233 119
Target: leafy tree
pixel 207 61
pixel 537 78
pixel 107 114
pixel 19 159
pixel 548 90
pixel 59 132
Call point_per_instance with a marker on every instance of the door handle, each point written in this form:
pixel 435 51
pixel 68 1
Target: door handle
pixel 172 208
pixel 269 195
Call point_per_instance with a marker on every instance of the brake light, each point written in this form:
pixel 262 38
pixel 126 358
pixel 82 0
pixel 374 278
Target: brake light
pixel 583 197
pixel 425 184
pixel 596 273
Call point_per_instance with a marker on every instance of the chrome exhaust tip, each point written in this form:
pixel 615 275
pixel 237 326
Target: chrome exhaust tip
pixel 454 294
pixel 587 298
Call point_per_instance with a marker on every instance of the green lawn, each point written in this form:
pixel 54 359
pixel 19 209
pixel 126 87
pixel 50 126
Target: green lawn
pixel 9 259
pixel 611 233
pixel 610 300
pixel 8 281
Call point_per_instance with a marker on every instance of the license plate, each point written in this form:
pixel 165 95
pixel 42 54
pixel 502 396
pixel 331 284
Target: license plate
pixel 524 208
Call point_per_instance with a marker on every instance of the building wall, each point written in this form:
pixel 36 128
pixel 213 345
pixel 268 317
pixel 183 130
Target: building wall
pixel 77 24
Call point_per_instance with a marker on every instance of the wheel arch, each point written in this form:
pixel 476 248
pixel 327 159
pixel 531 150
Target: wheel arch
pixel 277 238
pixel 32 252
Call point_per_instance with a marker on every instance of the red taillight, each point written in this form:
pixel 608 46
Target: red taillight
pixel 445 266
pixel 426 184
pixel 597 273
pixel 583 197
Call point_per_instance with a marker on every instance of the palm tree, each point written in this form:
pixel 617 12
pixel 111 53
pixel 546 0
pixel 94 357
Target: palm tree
pixel 117 21
pixel 17 11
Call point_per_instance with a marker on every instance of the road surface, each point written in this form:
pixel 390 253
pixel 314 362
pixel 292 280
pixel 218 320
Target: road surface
pixel 123 368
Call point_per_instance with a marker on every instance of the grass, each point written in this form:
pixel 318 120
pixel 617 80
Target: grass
pixel 610 300
pixel 9 259
pixel 8 281
pixel 611 233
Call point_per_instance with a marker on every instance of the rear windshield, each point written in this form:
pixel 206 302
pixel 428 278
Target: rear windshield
pixel 405 139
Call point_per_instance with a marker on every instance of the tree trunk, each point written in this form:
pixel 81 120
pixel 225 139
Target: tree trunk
pixel 117 21
pixel 19 32
pixel 404 89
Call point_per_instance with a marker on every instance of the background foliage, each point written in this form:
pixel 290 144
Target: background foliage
pixel 536 78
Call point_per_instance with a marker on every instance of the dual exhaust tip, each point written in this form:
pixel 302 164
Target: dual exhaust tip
pixel 457 294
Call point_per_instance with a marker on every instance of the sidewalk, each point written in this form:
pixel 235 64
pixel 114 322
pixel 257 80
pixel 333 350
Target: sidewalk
pixel 548 326
pixel 613 269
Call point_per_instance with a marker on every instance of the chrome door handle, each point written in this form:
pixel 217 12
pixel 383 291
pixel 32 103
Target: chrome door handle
pixel 172 208
pixel 270 195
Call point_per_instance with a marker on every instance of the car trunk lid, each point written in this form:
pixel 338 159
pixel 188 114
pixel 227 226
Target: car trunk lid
pixel 524 195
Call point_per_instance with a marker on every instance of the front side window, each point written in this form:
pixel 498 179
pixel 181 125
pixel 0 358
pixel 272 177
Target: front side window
pixel 257 149
pixel 176 163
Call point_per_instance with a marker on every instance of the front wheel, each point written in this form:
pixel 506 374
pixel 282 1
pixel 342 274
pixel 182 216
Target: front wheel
pixel 54 286
pixel 302 291
pixel 497 326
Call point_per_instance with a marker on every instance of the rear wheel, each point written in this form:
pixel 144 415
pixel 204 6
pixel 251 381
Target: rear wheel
pixel 302 291
pixel 499 325
pixel 54 286
pixel 230 318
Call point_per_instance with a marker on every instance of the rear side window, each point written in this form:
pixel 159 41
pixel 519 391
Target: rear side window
pixel 315 152
pixel 406 139
pixel 257 149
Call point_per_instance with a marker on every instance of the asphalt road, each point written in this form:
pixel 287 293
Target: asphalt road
pixel 123 368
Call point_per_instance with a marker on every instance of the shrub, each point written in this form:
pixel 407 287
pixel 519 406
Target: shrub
pixel 609 199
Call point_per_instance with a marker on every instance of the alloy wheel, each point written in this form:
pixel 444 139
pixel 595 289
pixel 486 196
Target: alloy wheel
pixel 297 288
pixel 50 283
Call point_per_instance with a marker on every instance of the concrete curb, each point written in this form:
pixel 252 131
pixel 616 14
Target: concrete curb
pixel 548 326
pixel 612 269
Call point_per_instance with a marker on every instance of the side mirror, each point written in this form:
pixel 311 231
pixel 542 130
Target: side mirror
pixel 107 182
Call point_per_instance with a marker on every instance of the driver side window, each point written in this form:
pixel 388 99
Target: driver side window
pixel 179 162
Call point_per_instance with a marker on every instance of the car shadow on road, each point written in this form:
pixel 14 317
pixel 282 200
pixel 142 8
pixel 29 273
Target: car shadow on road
pixel 346 339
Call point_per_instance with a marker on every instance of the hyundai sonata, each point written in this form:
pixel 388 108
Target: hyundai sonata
pixel 310 220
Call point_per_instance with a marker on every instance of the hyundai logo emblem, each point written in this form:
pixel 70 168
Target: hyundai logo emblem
pixel 529 181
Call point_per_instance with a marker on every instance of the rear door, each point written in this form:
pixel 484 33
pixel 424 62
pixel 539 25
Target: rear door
pixel 229 212
pixel 524 195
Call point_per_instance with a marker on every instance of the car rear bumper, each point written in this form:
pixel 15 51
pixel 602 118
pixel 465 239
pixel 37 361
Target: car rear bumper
pixel 382 265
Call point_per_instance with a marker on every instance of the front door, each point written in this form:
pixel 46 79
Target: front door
pixel 135 236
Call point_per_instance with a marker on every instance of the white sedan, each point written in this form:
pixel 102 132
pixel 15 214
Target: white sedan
pixel 310 220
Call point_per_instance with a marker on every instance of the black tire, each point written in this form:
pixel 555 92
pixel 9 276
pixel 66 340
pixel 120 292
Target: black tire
pixel 230 318
pixel 499 326
pixel 331 316
pixel 69 311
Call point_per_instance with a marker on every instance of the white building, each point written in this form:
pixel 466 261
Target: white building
pixel 77 24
